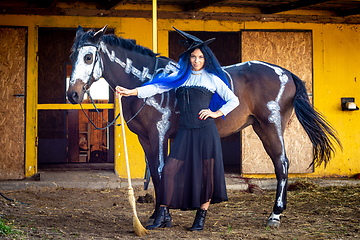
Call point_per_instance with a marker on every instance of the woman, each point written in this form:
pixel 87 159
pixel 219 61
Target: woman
pixel 193 174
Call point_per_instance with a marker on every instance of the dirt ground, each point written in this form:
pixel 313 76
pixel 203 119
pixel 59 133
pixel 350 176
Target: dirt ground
pixel 313 213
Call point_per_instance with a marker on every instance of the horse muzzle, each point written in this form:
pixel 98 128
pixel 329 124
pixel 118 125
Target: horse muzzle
pixel 75 92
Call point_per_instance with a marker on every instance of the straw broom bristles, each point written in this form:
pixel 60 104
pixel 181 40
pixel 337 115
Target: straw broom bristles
pixel 138 228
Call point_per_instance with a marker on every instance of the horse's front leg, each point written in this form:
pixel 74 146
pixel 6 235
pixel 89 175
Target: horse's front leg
pixel 274 145
pixel 156 148
pixel 158 138
pixel 151 150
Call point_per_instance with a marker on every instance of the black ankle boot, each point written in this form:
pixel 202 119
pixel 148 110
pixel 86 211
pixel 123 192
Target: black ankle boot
pixel 163 219
pixel 199 221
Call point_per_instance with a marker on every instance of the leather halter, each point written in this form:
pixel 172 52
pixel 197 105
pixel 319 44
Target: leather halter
pixel 87 86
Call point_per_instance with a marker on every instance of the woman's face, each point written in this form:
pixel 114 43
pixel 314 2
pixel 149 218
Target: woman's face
pixel 197 60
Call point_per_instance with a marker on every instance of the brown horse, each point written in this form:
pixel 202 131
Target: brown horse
pixel 268 94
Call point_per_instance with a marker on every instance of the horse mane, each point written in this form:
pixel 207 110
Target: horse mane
pixel 113 41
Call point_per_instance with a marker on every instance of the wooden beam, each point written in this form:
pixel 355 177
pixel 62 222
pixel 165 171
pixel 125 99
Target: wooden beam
pixel 197 5
pixel 112 4
pixel 31 11
pixel 291 6
pixel 51 106
pixel 185 15
pixel 349 12
pixel 45 4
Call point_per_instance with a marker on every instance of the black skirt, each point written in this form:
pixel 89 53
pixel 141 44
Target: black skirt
pixel 193 172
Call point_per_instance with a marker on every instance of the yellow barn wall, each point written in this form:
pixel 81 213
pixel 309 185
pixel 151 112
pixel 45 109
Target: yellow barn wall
pixel 335 59
pixel 335 75
pixel 136 155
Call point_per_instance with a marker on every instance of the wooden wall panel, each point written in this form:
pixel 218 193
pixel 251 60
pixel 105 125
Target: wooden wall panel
pixel 293 51
pixel 12 97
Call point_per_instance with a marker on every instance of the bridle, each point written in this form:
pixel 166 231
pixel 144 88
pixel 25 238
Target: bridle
pixel 88 82
pixel 86 90
pixel 87 86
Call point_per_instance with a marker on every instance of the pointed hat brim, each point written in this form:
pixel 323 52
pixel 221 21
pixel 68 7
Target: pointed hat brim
pixel 192 41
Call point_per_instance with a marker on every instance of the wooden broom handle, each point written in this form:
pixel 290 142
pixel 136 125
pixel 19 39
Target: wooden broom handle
pixel 124 140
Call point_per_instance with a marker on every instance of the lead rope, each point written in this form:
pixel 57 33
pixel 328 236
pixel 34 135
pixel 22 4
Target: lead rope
pixel 109 124
pixel 12 200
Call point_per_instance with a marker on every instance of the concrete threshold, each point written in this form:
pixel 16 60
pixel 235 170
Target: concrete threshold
pixel 100 179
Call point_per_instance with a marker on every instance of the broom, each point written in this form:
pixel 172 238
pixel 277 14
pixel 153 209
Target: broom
pixel 139 229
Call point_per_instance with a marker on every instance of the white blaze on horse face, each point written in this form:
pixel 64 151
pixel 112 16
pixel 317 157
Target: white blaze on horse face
pixel 83 70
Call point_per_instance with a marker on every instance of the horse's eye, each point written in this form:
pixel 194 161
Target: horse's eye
pixel 88 59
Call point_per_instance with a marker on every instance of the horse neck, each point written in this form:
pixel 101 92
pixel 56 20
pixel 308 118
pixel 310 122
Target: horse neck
pixel 126 68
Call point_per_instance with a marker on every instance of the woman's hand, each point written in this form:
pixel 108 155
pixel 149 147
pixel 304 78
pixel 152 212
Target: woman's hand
pixel 126 92
pixel 205 113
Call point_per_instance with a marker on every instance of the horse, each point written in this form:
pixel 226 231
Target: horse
pixel 268 94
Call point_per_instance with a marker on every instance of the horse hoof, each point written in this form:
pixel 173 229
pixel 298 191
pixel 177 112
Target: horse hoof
pixel 273 223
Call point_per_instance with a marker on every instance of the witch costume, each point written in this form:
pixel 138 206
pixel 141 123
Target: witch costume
pixel 193 173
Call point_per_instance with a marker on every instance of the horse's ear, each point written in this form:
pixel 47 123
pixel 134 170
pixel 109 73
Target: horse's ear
pixel 79 31
pixel 98 35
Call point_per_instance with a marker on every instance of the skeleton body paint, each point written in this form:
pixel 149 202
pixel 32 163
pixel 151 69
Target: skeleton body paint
pixel 274 107
pixel 268 100
pixel 143 75
pixel 163 124
pixel 275 118
pixel 231 81
pixel 279 201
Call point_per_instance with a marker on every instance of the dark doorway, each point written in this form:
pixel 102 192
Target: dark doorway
pixel 226 48
pixel 64 135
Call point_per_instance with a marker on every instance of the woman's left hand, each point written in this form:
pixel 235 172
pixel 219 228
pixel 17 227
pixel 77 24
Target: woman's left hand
pixel 205 113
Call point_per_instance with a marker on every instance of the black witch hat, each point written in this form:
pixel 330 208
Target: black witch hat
pixel 192 42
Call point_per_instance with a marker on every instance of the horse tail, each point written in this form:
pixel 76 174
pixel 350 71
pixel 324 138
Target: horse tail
pixel 322 135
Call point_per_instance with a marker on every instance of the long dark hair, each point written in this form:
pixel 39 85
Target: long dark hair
pixel 184 67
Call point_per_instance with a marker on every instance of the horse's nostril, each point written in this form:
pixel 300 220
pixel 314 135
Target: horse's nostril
pixel 75 96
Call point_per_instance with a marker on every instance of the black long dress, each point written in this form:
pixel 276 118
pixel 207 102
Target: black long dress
pixel 193 172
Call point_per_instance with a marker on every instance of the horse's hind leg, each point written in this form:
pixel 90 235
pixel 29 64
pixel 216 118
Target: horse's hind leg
pixel 273 143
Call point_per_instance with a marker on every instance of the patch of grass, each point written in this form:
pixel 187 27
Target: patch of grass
pixel 5 228
pixel 229 228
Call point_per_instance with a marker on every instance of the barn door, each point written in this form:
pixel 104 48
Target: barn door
pixel 64 132
pixel 54 50
pixel 293 51
pixel 12 98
